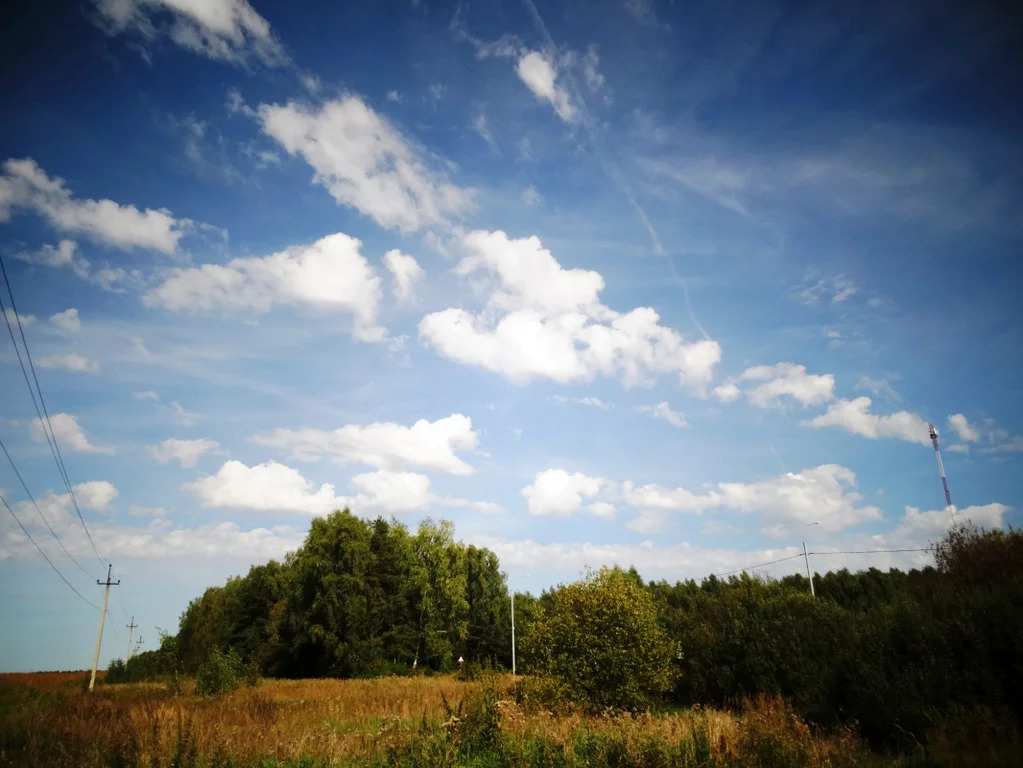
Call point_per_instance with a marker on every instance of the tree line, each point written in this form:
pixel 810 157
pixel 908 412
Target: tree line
pixel 888 650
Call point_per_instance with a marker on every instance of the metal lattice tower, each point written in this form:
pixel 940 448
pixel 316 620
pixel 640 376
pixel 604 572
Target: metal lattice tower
pixel 941 467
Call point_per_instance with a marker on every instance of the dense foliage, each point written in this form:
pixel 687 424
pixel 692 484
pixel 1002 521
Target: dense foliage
pixel 357 599
pixel 598 640
pixel 892 651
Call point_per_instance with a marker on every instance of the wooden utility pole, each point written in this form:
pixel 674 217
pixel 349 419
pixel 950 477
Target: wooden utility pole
pixel 102 617
pixel 130 627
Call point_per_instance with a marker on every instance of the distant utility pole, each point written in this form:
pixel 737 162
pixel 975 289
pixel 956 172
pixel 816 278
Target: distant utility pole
pixel 806 557
pixel 102 617
pixel 130 627
pixel 138 646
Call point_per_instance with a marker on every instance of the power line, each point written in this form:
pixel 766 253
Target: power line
pixel 54 447
pixel 873 551
pixel 759 565
pixel 34 504
pixel 56 570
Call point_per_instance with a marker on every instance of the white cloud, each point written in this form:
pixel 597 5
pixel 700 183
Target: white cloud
pixel 146 395
pixel 183 417
pixel 679 561
pixel 648 521
pixel 185 452
pixel 530 196
pixel 590 62
pixel 556 492
pixel 228 30
pixel 828 290
pixel 958 448
pixel 68 320
pixel 14 318
pixel 393 492
pixel 365 162
pixel 540 76
pixel 924 527
pixel 393 96
pixel 264 488
pixel 479 125
pixel 542 320
pixel 592 402
pixel 664 412
pixel 602 509
pixel 329 275
pixel 58 509
pixel 727 392
pixel 962 428
pixel 385 445
pixel 25 185
pixel 879 388
pixel 68 433
pixel 64 254
pixel 824 494
pixel 272 486
pixel 775 382
pixel 854 416
pixel 405 271
pixel 70 361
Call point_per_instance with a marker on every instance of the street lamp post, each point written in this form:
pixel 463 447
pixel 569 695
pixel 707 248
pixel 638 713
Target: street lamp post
pixel 521 576
pixel 806 558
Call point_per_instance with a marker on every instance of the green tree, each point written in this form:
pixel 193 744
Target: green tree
pixel 600 640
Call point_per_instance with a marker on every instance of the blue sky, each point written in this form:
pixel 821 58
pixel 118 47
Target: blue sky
pixel 647 283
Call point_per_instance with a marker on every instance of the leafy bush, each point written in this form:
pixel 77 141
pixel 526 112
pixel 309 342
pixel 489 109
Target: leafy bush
pixel 220 673
pixel 600 638
pixel 115 673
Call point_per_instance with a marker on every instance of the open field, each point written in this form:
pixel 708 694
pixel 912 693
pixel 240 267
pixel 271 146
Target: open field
pixel 47 720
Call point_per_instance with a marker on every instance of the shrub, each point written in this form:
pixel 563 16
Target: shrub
pixel 115 673
pixel 600 638
pixel 220 673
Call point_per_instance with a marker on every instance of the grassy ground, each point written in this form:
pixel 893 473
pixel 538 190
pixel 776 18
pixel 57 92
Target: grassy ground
pixel 48 720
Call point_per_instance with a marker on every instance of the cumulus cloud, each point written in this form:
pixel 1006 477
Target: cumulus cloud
pixel 542 320
pixel 68 433
pixel 557 492
pixel 664 412
pixel 272 486
pixel 365 163
pixel 267 487
pixel 540 75
pixel 385 445
pixel 14 318
pixel 160 538
pixel 64 254
pixel 24 185
pixel 924 527
pixel 963 428
pixel 824 494
pixel 765 386
pixel 228 30
pixel 70 361
pixel 185 452
pixel 58 508
pixel 330 275
pixel 67 320
pixel 855 416
pixel 405 271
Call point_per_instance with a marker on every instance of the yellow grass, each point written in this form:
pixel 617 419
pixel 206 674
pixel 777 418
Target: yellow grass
pixel 334 722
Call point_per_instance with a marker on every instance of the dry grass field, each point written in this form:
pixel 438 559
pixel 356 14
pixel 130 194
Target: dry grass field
pixel 48 720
